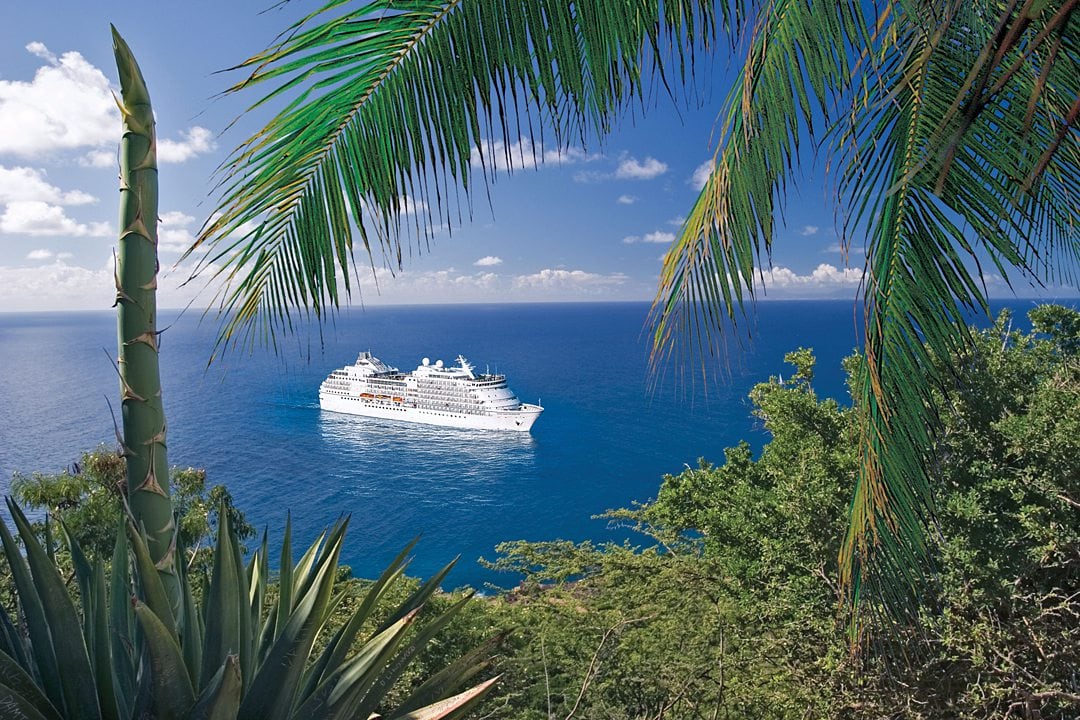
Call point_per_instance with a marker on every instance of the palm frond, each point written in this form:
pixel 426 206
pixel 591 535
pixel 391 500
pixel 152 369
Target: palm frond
pixel 708 273
pixel 388 106
pixel 952 110
pixel 937 182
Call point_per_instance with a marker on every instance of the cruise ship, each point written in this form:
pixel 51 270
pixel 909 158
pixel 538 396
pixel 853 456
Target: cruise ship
pixel 433 393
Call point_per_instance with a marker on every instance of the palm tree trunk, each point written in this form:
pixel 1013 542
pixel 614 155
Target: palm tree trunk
pixel 136 303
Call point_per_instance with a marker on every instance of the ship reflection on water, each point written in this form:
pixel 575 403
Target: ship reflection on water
pixel 477 457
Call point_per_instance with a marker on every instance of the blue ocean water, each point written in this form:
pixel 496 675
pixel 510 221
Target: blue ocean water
pixel 605 440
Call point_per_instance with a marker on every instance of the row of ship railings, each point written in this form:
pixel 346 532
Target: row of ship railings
pixel 460 407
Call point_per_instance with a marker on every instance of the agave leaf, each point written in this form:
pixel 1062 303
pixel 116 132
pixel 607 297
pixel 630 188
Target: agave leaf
pixel 172 693
pixel 11 641
pixel 305 571
pixel 451 676
pixel 105 674
pixel 223 606
pixel 122 621
pixel 259 572
pixel 84 574
pixel 17 707
pixel 386 679
pixel 341 692
pixel 285 581
pixel 338 647
pixel 36 623
pixel 272 692
pixel 18 683
pixel 73 664
pixel 153 590
pixel 452 707
pixel 221 698
pixel 420 595
pixel 244 612
pixel 190 626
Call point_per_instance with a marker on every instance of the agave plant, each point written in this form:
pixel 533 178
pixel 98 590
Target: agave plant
pixel 122 652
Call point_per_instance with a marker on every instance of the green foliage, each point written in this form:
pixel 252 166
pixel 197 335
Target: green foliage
pixel 128 652
pixel 732 610
pixel 88 498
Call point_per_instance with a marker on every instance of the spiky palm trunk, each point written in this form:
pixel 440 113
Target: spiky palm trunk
pixel 136 303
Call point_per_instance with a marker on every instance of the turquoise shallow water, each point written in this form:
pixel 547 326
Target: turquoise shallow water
pixel 253 421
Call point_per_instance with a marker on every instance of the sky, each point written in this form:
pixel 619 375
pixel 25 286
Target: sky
pixel 591 223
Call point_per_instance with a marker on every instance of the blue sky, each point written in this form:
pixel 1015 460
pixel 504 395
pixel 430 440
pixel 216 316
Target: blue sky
pixel 591 224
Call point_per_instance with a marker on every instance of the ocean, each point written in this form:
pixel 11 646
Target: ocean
pixel 608 434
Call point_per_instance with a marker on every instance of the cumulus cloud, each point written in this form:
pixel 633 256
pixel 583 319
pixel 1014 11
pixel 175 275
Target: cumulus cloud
pixel 824 281
pixel 659 236
pixel 808 230
pixel 34 217
pixel 488 261
pixel 409 206
pixel 56 286
pixel 23 183
pixel 560 279
pixel 626 199
pixel 99 159
pixel 194 141
pixel 67 105
pixel 851 249
pixel 647 169
pixel 524 154
pixel 174 232
pixel 59 285
pixel 701 174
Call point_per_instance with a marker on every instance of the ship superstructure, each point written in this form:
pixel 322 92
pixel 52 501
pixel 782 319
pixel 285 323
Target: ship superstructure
pixel 451 396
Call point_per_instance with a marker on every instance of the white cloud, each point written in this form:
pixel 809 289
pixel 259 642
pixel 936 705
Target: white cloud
pixel 56 286
pixel 633 169
pixel 24 183
pixel 824 281
pixel 677 221
pixel 45 254
pixel 523 154
pixel 659 236
pixel 851 249
pixel 67 105
pixel 174 235
pixel 626 199
pixel 808 230
pixel 62 286
pixel 488 261
pixel 409 206
pixel 99 159
pixel 196 141
pixel 39 49
pixel 560 279
pixel 33 217
pixel 701 174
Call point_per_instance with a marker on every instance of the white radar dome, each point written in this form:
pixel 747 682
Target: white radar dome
pixel 426 361
pixel 438 363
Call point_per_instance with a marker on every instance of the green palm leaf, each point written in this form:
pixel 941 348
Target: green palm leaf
pixel 951 128
pixel 381 109
pixel 921 192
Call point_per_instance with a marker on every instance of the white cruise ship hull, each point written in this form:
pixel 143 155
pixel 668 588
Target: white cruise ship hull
pixel 520 420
